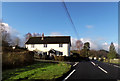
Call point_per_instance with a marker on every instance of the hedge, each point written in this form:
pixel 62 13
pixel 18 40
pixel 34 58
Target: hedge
pixel 16 59
pixel 59 58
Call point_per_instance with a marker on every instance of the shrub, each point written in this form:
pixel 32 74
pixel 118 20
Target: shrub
pixel 40 56
pixel 64 58
pixel 56 58
pixel 44 57
pixel 59 58
pixel 7 49
pixel 16 59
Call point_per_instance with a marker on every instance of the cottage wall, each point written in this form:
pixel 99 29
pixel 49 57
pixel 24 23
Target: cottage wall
pixel 40 47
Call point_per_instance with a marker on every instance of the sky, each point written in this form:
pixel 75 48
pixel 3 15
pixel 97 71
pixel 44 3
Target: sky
pixel 96 22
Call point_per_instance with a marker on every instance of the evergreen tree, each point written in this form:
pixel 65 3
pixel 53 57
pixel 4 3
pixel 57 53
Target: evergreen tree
pixel 112 52
pixel 85 50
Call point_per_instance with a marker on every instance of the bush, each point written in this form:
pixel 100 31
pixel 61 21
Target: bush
pixel 71 58
pixel 40 56
pixel 56 58
pixel 44 57
pixel 7 49
pixel 59 58
pixel 15 59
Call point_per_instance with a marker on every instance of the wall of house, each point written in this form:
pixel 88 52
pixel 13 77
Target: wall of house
pixel 68 49
pixel 40 47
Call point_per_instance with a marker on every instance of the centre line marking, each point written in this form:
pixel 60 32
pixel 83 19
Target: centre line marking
pixel 93 63
pixel 69 75
pixel 116 66
pixel 100 68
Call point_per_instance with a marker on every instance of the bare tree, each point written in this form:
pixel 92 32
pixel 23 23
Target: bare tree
pixel 34 35
pixel 27 36
pixel 5 35
pixel 73 46
pixel 38 35
pixel 16 41
pixel 79 45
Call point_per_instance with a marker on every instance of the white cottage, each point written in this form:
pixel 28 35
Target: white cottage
pixel 57 45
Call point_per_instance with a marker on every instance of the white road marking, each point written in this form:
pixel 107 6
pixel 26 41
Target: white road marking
pixel 116 66
pixel 75 63
pixel 69 75
pixel 93 63
pixel 102 69
pixel 113 65
pixel 99 67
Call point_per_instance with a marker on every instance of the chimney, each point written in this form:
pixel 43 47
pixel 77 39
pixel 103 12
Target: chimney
pixel 42 36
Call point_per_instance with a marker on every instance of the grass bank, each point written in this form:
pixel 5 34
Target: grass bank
pixel 42 71
pixel 114 61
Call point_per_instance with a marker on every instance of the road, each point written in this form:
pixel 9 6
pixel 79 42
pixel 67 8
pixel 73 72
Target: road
pixel 93 70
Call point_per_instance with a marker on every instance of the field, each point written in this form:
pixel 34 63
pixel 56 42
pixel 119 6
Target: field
pixel 38 70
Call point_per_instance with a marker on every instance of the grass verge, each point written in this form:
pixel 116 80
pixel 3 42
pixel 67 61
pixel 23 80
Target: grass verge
pixel 42 71
pixel 112 62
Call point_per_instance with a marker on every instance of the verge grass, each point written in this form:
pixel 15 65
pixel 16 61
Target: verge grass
pixel 44 71
pixel 112 61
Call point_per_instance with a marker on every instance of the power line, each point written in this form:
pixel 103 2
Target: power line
pixel 70 19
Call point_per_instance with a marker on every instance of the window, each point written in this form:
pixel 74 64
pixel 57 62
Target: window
pixel 44 53
pixel 45 45
pixel 60 45
pixel 61 53
pixel 32 46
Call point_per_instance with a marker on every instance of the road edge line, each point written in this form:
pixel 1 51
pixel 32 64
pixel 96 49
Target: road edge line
pixel 75 63
pixel 69 75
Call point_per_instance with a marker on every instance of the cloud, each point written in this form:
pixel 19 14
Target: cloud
pixel 94 44
pixel 12 32
pixel 116 47
pixel 9 29
pixel 55 34
pixel 105 46
pixel 5 26
pixel 89 26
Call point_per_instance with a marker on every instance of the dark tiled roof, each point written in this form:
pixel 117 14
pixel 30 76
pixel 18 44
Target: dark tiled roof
pixel 49 40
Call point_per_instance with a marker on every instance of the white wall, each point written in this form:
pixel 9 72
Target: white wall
pixel 65 49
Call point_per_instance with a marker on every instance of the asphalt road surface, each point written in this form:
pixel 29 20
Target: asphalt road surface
pixel 94 70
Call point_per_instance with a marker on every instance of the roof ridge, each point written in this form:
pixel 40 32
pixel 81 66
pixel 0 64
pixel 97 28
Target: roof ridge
pixel 49 39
